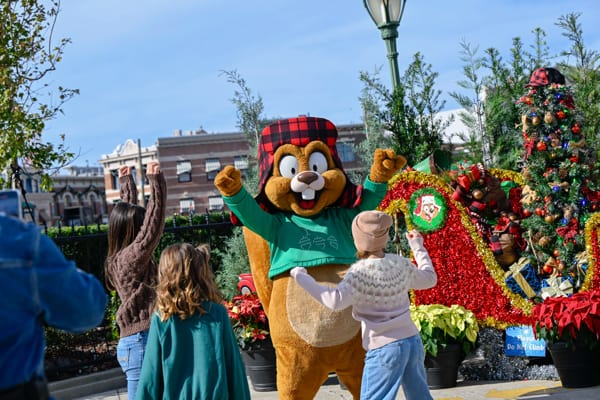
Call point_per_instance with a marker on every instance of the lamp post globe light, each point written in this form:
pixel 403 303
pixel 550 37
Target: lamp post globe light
pixel 386 14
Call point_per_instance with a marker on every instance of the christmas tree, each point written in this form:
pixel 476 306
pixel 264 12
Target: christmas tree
pixel 558 169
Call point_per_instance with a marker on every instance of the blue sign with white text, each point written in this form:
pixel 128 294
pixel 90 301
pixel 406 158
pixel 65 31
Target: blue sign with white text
pixel 520 341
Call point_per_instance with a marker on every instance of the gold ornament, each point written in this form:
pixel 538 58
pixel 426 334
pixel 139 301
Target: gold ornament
pixel 477 194
pixel 544 241
pixel 549 118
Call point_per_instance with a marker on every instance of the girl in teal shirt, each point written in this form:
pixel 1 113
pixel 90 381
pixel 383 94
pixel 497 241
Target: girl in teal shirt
pixel 191 351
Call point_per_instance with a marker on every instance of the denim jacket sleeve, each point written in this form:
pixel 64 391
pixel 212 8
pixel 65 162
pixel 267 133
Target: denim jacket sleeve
pixel 70 299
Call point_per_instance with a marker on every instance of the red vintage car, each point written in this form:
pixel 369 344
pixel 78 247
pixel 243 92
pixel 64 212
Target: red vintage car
pixel 246 284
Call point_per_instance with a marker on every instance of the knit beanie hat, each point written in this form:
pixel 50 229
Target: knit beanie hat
pixel 370 230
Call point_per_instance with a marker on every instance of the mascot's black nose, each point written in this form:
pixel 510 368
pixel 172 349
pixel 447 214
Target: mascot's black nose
pixel 307 177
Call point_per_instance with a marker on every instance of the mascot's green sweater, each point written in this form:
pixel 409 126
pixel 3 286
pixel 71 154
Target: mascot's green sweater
pixel 296 241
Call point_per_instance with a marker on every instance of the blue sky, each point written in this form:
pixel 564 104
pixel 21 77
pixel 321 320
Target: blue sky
pixel 145 69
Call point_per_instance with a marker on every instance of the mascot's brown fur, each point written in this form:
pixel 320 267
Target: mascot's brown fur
pixel 305 192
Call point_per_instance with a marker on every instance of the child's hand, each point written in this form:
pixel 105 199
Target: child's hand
pixel 415 240
pixel 153 168
pixel 298 271
pixel 124 170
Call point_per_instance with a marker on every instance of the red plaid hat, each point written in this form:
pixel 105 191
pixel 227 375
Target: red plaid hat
pixel 300 131
pixel 545 76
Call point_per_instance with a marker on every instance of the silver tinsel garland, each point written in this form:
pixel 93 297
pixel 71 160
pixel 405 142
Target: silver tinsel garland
pixel 489 362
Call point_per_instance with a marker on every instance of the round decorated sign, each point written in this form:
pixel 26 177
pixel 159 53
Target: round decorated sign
pixel 427 210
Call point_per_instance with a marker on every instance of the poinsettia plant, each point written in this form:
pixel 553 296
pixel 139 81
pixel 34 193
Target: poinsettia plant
pixel 440 325
pixel 574 320
pixel 248 320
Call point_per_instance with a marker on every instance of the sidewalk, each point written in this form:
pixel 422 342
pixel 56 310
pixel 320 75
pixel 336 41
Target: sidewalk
pixel 96 387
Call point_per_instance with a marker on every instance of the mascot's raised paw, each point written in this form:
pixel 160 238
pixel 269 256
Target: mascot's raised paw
pixel 385 164
pixel 229 181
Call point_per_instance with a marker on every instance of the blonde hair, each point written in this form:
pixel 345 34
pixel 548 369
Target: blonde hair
pixel 185 280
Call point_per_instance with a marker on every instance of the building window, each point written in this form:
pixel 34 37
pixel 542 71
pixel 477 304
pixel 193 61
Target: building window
pixel 68 200
pixel 28 185
pixel 134 174
pixel 215 203
pixel 186 206
pixel 213 166
pixel 114 179
pixel 240 162
pixel 345 151
pixel 184 171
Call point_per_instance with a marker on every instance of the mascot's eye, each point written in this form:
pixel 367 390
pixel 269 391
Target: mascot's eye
pixel 317 162
pixel 288 166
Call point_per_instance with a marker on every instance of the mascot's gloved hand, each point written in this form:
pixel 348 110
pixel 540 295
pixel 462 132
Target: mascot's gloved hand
pixel 229 181
pixel 298 271
pixel 385 164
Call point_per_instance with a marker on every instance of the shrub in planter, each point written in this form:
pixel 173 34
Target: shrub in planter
pixel 440 325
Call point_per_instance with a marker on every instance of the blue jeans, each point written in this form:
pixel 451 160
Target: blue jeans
pixel 130 353
pixel 398 363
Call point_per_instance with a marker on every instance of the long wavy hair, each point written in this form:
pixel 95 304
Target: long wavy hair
pixel 185 280
pixel 124 223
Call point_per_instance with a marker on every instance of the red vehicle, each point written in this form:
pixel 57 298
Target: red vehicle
pixel 246 284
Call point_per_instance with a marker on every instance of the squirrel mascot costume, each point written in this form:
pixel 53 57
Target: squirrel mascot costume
pixel 302 216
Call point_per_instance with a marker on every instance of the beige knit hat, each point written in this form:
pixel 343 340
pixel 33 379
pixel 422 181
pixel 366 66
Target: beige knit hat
pixel 370 230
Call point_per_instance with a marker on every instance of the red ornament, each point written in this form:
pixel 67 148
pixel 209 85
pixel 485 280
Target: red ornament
pixel 541 146
pixel 576 129
pixel 547 269
pixel 556 253
pixel 539 211
pixel 561 114
pixel 526 212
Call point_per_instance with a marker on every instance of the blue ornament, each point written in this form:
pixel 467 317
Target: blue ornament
pixel 583 202
pixel 564 221
pixel 556 188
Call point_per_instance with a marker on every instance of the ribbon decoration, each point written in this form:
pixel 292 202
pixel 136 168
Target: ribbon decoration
pixel 581 258
pixel 568 231
pixel 591 195
pixel 529 144
pixel 514 271
pixel 556 287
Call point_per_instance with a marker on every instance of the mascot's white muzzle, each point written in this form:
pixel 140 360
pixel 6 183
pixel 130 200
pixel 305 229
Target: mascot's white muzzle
pixel 307 183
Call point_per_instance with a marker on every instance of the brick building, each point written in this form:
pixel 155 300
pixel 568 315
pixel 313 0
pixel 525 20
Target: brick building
pixel 190 161
pixel 76 198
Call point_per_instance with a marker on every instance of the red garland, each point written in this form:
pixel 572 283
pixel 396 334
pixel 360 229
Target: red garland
pixel 463 278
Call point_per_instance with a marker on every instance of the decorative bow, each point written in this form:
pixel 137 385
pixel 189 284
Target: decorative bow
pixel 568 231
pixel 556 287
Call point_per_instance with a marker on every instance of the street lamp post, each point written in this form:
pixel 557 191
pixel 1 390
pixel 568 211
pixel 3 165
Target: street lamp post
pixel 386 14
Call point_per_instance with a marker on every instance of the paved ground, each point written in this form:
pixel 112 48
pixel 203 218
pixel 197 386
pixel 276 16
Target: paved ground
pixel 525 390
